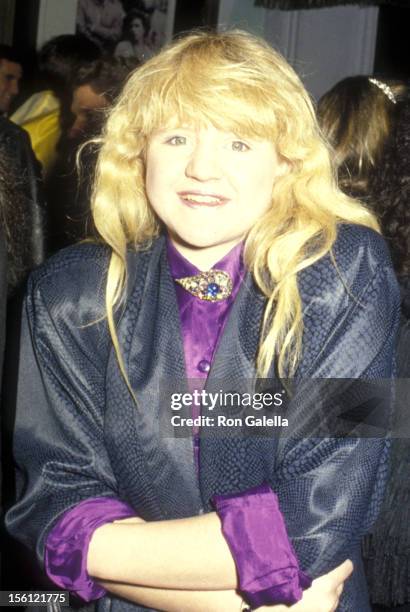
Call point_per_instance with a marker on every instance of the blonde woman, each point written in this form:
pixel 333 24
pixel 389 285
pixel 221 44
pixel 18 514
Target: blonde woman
pixel 228 253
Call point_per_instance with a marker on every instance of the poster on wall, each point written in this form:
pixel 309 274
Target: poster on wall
pixel 127 28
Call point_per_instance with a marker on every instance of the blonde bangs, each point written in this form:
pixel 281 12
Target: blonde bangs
pixel 169 96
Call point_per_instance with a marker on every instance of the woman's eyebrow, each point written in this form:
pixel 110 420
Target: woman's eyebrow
pixel 177 128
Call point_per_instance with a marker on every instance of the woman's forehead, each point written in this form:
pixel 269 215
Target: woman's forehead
pixel 196 122
pixel 199 126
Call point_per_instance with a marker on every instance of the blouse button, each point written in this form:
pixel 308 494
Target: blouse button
pixel 204 366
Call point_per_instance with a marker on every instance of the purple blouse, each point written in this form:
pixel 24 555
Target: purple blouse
pixel 270 574
pixel 202 322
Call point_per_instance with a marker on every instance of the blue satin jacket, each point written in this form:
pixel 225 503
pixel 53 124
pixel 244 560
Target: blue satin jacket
pixel 79 433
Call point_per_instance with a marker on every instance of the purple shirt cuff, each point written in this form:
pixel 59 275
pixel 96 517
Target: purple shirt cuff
pixel 67 544
pixel 255 531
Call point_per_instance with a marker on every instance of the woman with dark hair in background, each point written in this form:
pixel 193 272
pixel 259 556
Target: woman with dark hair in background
pixel 387 548
pixel 390 193
pixel 135 32
pixel 100 21
pixel 367 120
pixel 357 118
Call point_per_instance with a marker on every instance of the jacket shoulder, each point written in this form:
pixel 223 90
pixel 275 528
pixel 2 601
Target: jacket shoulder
pixel 72 282
pixel 361 244
pixel 8 129
pixel 344 294
pixel 13 139
pixel 86 258
pixel 357 254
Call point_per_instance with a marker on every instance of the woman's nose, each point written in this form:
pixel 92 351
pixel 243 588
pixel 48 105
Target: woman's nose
pixel 203 164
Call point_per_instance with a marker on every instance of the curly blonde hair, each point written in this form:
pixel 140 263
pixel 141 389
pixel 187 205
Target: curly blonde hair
pixel 238 83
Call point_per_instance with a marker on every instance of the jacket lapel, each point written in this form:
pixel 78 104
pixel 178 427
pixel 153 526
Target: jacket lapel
pixel 155 467
pixel 159 465
pixel 231 462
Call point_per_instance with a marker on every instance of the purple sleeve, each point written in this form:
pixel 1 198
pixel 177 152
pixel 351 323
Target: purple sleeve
pixel 67 544
pixel 255 531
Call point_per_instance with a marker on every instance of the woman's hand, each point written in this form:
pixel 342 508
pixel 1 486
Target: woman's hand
pixel 322 596
pixel 325 592
pixel 188 555
pixel 130 519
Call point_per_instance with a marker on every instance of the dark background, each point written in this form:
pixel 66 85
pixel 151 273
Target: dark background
pixel 392 57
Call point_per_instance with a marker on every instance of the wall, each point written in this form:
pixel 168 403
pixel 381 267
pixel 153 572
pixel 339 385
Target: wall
pixel 323 45
pixel 55 17
pixel 58 17
pixel 242 14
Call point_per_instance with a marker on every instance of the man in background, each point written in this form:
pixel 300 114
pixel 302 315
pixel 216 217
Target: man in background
pixel 46 114
pixel 94 88
pixel 11 72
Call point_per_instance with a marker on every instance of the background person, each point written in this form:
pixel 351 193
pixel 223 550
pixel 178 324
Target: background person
pixel 21 245
pixel 158 22
pixel 46 114
pixel 11 72
pixel 101 22
pixel 387 548
pixel 94 88
pixel 3 297
pixel 358 117
pixel 30 230
pixel 367 120
pixel 136 30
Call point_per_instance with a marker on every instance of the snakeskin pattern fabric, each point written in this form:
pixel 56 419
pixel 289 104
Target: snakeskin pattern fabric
pixel 79 433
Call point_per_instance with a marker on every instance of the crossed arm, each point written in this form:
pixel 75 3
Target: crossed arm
pixel 186 566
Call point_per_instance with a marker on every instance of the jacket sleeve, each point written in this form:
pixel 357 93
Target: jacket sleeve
pixel 330 484
pixel 59 437
pixel 3 294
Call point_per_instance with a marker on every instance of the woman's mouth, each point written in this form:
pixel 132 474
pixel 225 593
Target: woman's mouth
pixel 202 199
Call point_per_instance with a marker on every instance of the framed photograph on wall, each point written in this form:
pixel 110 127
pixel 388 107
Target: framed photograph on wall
pixel 127 28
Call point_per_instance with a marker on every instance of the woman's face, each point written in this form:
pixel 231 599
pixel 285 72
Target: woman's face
pixel 137 29
pixel 209 187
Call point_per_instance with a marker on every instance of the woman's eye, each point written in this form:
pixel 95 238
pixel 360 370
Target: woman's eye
pixel 239 146
pixel 176 140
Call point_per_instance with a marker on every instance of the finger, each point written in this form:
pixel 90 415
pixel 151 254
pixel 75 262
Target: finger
pixel 130 519
pixel 338 593
pixel 341 572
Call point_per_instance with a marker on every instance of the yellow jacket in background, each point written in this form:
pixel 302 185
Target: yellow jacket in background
pixel 40 117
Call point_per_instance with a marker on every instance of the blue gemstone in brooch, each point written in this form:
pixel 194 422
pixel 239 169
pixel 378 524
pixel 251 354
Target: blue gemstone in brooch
pixel 212 290
pixel 212 286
